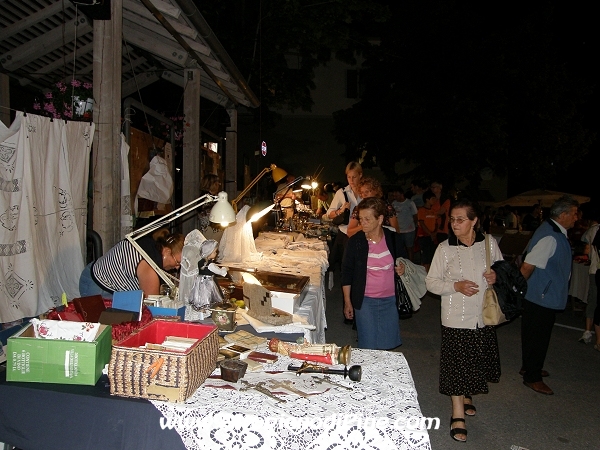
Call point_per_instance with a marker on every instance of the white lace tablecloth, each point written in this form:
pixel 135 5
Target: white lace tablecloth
pixel 293 254
pixel 380 412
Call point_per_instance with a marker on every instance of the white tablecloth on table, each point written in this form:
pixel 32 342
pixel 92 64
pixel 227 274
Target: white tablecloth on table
pixel 380 412
pixel 580 281
pixel 293 254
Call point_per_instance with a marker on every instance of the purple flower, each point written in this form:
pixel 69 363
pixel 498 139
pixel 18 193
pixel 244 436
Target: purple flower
pixel 87 85
pixel 60 85
pixel 68 113
pixel 75 83
pixel 36 105
pixel 48 95
pixel 62 89
pixel 49 107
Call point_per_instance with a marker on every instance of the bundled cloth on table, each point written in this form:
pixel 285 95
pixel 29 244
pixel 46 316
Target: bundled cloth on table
pixel 65 330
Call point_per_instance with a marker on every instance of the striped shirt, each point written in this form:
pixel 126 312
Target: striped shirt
pixel 117 269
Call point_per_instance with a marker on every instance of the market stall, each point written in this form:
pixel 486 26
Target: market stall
pixel 381 410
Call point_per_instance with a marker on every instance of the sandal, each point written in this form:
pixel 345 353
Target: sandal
pixel 469 407
pixel 455 431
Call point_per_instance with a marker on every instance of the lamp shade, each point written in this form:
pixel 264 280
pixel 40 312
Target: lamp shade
pixel 306 183
pixel 278 173
pixel 222 212
pixel 259 210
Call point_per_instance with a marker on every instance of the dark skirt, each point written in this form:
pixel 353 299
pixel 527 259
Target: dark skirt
pixel 469 359
pixel 377 324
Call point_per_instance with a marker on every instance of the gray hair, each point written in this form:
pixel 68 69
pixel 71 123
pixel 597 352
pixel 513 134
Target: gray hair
pixel 563 205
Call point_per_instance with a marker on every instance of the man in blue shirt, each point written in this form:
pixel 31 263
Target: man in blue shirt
pixel 547 269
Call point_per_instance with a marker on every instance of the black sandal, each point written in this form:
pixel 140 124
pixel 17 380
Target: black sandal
pixel 455 431
pixel 469 407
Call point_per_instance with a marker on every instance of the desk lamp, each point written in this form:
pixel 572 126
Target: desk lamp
pixel 221 213
pixel 278 175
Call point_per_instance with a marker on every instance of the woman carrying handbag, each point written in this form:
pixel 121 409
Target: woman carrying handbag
pixel 469 357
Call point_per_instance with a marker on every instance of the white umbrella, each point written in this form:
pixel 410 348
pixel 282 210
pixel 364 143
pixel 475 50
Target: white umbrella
pixel 539 196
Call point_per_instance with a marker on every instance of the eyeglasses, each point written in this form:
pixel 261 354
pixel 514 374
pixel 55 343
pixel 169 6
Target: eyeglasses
pixel 458 220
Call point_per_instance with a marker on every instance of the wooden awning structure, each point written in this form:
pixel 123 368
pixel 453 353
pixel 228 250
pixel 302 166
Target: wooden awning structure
pixel 141 41
pixel 45 41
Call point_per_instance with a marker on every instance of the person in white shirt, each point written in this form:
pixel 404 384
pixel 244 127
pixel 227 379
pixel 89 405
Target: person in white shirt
pixel 338 206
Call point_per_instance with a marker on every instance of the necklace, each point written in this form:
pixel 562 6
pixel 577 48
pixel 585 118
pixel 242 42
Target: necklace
pixel 373 241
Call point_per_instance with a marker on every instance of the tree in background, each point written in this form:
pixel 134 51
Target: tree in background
pixel 456 87
pixel 278 44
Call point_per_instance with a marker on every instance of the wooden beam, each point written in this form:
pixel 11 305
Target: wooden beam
pixel 46 43
pixel 129 7
pixel 191 143
pixel 106 151
pixel 4 99
pixel 83 50
pixel 34 18
pixel 157 32
pixel 140 81
pixel 190 51
pixel 152 28
pixel 211 93
pixel 167 8
pixel 231 154
pixel 168 52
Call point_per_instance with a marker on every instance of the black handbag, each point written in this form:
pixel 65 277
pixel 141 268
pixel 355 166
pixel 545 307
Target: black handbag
pixel 342 219
pixel 405 309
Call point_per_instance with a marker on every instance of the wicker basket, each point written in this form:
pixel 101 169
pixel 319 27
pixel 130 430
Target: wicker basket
pixel 132 369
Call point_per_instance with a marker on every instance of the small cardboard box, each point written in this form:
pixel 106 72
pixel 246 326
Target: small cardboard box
pixel 55 360
pixel 160 311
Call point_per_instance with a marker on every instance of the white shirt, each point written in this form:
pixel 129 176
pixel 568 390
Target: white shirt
pixel 544 249
pixel 339 200
pixel 453 263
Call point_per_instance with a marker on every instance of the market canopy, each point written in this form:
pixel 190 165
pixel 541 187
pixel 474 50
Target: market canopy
pixel 46 41
pixel 542 197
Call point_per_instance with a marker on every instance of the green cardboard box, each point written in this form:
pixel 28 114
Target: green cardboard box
pixel 57 361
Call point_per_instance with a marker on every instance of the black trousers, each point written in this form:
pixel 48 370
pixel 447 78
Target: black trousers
pixel 536 328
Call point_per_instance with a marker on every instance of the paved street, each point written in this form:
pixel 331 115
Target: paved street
pixel 511 414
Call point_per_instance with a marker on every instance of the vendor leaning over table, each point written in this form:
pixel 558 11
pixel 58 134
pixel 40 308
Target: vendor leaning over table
pixel 122 268
pixel 368 278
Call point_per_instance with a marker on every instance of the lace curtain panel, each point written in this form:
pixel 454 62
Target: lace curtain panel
pixel 44 168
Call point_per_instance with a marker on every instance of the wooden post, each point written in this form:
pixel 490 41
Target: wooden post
pixel 106 152
pixel 4 99
pixel 191 143
pixel 231 155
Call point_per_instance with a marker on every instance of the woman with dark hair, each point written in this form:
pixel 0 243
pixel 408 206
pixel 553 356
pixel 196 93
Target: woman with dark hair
pixel 469 356
pixel 123 268
pixel 368 278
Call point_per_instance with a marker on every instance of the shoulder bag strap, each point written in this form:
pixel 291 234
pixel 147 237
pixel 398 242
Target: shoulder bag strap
pixel 488 256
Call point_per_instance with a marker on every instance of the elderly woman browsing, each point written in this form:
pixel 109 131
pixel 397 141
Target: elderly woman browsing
pixel 469 356
pixel 368 278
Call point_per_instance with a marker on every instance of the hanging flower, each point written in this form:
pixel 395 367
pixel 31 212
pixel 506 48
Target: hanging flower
pixel 72 100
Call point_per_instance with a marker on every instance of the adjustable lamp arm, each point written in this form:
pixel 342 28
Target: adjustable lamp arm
pixel 256 180
pixel 160 222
